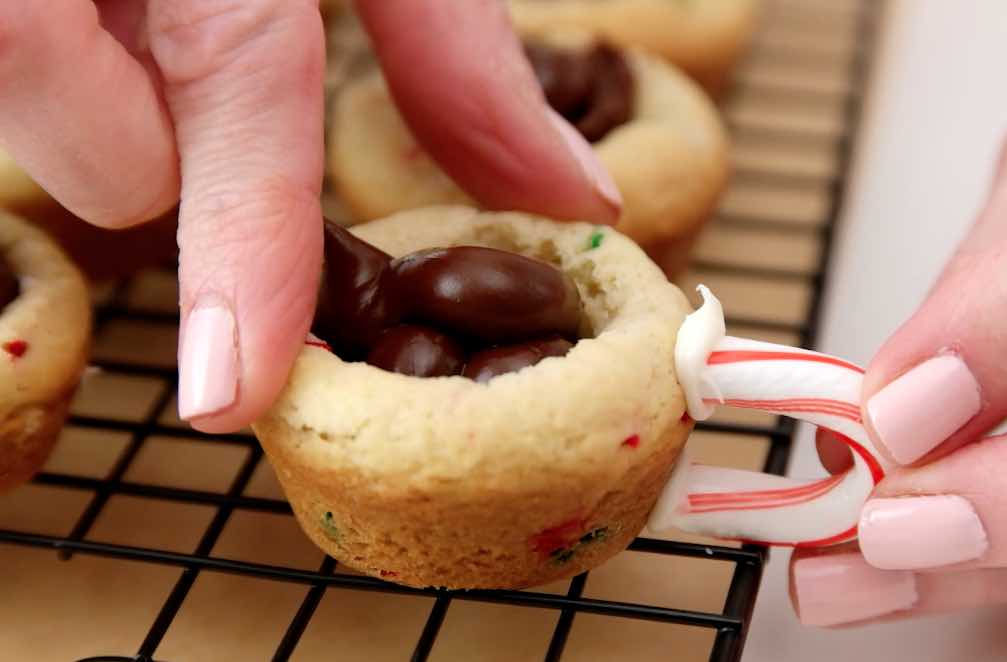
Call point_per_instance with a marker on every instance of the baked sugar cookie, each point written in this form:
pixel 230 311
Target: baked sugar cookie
pixel 45 327
pixel 703 37
pixel 668 155
pixel 519 480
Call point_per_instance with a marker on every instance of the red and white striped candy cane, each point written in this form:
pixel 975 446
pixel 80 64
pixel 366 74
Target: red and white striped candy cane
pixel 716 369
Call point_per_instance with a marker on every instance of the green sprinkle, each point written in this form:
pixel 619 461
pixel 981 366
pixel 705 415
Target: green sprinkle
pixel 563 555
pixel 329 526
pixel 594 241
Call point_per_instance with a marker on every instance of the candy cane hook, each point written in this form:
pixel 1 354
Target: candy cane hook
pixel 715 369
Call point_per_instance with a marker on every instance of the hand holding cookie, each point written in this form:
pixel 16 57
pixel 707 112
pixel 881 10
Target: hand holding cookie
pixel 221 103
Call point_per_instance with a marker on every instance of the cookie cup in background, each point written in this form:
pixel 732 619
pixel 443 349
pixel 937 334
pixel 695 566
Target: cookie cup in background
pixel 703 37
pixel 533 476
pixel 670 160
pixel 44 340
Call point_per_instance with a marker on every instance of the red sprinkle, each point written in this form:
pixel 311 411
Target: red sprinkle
pixel 686 418
pixel 16 348
pixel 549 540
pixel 388 573
pixel 633 441
pixel 413 152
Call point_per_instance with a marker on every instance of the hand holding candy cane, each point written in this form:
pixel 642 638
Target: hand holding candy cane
pixel 715 369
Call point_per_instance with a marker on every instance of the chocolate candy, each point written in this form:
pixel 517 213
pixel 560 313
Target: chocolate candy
pixel 592 89
pixel 484 366
pixel 486 295
pixel 9 288
pixel 418 351
pixel 354 303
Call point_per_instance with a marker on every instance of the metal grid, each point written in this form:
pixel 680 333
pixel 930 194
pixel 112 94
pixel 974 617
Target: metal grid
pixel 730 624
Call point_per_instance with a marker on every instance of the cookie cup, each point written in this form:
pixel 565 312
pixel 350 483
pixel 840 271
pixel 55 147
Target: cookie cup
pixel 670 161
pixel 44 339
pixel 705 38
pixel 533 476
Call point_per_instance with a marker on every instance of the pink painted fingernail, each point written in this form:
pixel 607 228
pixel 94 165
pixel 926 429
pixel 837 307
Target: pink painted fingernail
pixel 923 407
pixel 842 588
pixel 588 160
pixel 208 361
pixel 910 533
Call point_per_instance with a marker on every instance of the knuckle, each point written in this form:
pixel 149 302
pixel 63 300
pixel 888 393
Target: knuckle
pixel 193 39
pixel 238 224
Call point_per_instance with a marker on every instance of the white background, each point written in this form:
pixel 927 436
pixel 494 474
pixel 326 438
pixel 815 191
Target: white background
pixel 935 115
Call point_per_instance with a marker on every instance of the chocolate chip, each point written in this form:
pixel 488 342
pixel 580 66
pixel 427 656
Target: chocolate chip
pixel 484 366
pixel 418 351
pixel 9 288
pixel 486 295
pixel 354 303
pixel 593 89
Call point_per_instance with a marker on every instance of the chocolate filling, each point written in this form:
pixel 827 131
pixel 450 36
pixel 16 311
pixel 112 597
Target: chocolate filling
pixel 465 310
pixel 593 89
pixel 9 288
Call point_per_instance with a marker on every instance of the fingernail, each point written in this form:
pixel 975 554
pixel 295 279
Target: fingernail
pixel 923 407
pixel 920 532
pixel 581 149
pixel 208 365
pixel 842 588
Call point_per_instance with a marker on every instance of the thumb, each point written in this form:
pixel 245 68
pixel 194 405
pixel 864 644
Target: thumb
pixel 243 82
pixel 939 382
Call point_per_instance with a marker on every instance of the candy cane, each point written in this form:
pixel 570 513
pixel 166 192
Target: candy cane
pixel 715 369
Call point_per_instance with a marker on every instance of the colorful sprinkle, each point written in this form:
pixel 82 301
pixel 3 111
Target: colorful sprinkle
pixel 561 556
pixel 329 526
pixel 633 441
pixel 685 418
pixel 594 241
pixel 388 573
pixel 318 343
pixel 555 539
pixel 412 152
pixel 16 348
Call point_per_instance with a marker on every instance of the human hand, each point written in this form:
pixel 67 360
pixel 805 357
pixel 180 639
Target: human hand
pixel 933 536
pixel 117 107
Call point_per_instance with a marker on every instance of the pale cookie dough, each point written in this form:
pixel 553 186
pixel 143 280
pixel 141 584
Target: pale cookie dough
pixel 533 476
pixel 670 161
pixel 44 339
pixel 703 37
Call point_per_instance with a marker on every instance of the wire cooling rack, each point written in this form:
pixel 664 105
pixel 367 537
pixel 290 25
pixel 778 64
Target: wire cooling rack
pixel 730 623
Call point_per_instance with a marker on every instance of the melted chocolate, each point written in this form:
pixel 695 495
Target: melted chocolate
pixel 481 296
pixel 487 364
pixel 354 303
pixel 593 89
pixel 486 295
pixel 9 288
pixel 417 351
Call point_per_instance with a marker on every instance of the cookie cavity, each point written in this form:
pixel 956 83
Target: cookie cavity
pixel 593 89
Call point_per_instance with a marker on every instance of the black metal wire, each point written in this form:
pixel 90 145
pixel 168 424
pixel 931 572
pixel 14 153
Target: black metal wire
pixel 749 561
pixel 562 630
pixel 304 613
